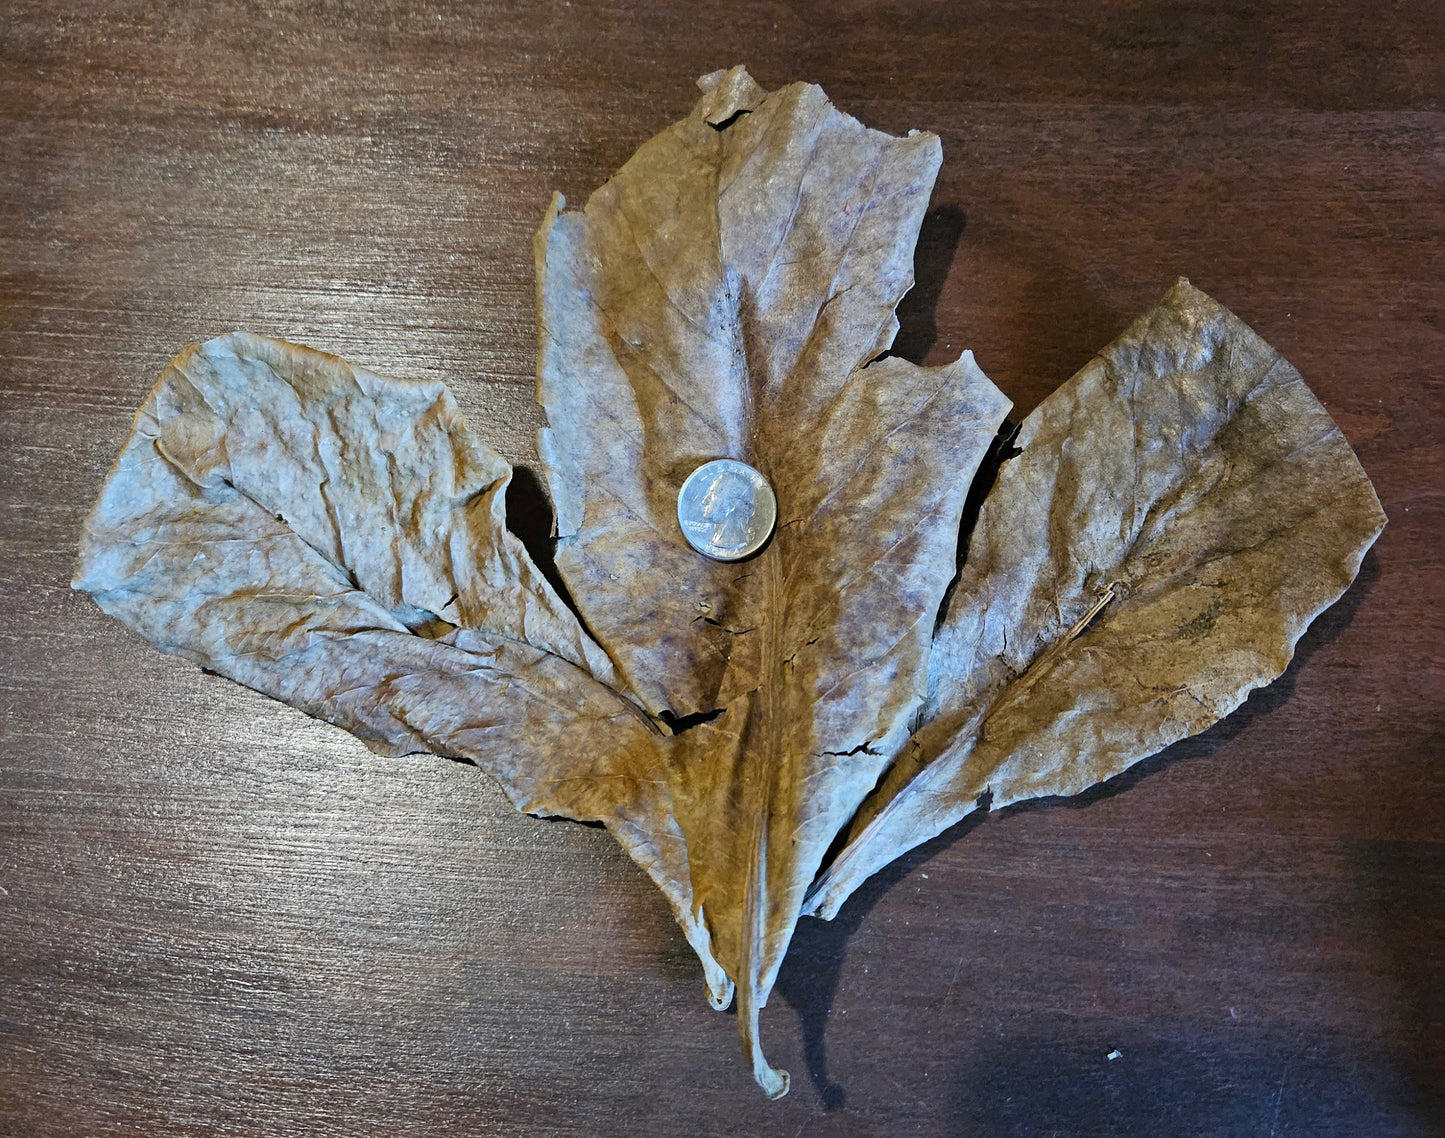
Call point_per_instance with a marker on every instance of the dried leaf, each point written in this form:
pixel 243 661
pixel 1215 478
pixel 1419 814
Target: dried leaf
pixel 1181 510
pixel 335 540
pixel 722 297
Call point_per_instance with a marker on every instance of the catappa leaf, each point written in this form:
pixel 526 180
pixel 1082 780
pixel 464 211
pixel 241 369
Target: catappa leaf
pixel 723 296
pixel 1181 510
pixel 334 539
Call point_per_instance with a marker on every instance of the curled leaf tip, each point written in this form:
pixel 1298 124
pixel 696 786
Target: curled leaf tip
pixel 773 1080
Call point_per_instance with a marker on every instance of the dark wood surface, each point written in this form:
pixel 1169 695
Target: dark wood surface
pixel 218 916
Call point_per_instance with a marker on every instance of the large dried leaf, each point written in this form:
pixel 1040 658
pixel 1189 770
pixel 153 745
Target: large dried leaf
pixel 719 297
pixel 1181 510
pixel 335 539
pixel 722 297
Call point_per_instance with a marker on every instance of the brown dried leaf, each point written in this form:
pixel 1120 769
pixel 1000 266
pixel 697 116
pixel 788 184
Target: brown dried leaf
pixel 1181 510
pixel 722 297
pixel 334 539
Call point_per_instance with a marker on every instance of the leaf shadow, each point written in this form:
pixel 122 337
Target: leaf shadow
pixel 808 979
pixel 938 239
pixel 529 520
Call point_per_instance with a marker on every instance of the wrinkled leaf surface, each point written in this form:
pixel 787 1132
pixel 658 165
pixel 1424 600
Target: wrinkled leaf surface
pixel 1181 510
pixel 334 539
pixel 722 297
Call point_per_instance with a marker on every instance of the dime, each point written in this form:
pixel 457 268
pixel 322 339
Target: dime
pixel 726 510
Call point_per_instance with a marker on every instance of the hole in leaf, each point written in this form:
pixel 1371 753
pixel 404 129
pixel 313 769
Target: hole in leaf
pixel 677 724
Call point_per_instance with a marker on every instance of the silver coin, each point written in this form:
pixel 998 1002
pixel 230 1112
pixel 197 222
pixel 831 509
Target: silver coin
pixel 726 510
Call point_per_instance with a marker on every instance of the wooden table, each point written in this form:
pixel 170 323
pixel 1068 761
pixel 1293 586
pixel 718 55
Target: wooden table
pixel 218 916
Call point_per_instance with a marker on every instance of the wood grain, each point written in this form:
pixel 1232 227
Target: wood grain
pixel 217 916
